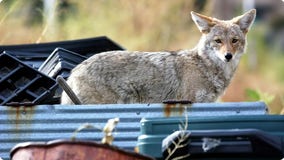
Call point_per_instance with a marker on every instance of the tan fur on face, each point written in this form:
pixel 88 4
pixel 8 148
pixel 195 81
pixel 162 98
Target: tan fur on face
pixel 226 34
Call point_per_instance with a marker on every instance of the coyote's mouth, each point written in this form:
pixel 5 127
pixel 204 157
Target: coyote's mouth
pixel 227 60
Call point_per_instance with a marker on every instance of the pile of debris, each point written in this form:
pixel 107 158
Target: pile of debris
pixel 28 72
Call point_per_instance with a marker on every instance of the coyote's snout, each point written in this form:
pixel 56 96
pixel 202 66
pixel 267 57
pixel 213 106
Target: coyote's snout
pixel 199 75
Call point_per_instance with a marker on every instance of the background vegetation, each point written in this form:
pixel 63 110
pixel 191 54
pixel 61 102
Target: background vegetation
pixel 149 26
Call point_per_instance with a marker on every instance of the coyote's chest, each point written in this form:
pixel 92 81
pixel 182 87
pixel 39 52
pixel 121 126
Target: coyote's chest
pixel 212 79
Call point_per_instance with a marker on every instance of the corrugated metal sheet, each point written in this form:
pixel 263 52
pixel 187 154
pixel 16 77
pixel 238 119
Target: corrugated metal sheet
pixel 49 122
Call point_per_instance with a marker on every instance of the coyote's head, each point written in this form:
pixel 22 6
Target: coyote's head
pixel 227 39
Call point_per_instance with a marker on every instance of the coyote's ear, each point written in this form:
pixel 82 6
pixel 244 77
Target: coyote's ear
pixel 245 20
pixel 203 23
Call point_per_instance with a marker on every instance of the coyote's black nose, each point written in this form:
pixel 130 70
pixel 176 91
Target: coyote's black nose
pixel 228 56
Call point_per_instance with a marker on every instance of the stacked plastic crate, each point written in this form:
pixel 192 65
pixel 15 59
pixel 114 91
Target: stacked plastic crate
pixel 28 72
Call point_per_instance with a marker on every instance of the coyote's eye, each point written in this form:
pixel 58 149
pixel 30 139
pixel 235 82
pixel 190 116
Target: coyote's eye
pixel 218 41
pixel 234 40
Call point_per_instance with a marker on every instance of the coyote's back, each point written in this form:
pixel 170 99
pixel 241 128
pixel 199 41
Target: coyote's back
pixel 198 75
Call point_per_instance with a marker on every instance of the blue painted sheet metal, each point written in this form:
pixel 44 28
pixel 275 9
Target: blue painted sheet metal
pixel 49 122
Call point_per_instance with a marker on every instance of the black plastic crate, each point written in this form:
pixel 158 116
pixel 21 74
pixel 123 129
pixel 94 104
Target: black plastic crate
pixel 32 59
pixel 61 62
pixel 35 54
pixel 20 84
pixel 86 47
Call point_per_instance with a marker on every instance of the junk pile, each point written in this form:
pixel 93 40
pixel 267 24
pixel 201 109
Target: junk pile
pixel 172 130
pixel 28 72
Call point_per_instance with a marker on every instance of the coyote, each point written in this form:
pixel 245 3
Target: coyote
pixel 197 75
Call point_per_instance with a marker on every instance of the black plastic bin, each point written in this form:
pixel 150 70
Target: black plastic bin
pixel 21 84
pixel 86 47
pixel 61 62
pixel 35 54
pixel 223 144
pixel 32 59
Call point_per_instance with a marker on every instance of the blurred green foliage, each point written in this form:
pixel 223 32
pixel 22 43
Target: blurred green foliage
pixel 257 95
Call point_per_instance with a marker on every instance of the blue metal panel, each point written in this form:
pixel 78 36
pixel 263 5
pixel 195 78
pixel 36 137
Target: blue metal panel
pixel 49 122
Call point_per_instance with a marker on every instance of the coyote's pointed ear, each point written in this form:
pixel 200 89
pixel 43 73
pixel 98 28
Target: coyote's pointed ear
pixel 245 20
pixel 203 23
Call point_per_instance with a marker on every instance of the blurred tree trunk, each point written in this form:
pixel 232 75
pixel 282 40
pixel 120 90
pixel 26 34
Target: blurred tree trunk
pixel 225 9
pixel 49 8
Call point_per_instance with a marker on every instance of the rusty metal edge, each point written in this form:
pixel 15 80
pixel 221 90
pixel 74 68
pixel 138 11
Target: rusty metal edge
pixel 79 142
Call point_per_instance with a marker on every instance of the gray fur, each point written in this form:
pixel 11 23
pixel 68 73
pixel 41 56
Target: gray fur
pixel 198 75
